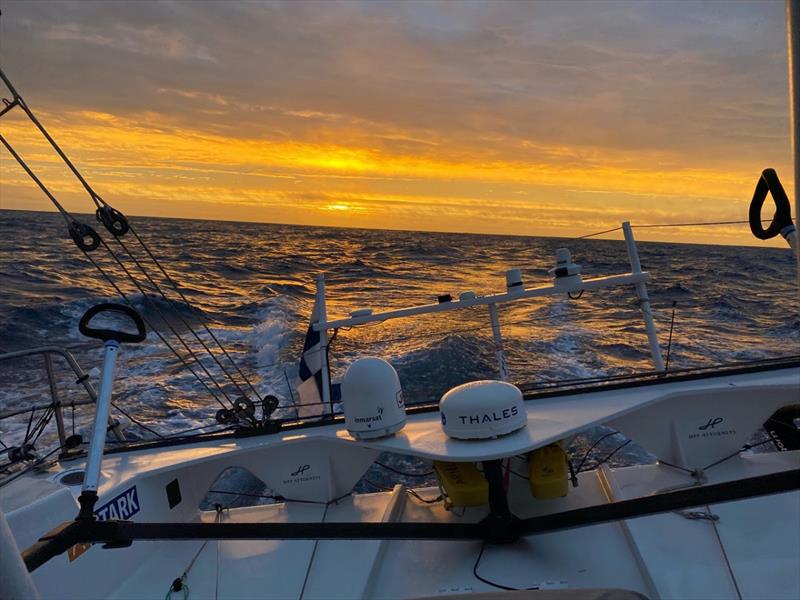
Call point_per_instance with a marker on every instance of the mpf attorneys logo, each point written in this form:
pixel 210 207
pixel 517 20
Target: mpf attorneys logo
pixel 713 422
pixel 300 470
pixel 709 429
pixel 299 475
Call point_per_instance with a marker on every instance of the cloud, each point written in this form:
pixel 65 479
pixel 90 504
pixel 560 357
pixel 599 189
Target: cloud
pixel 587 104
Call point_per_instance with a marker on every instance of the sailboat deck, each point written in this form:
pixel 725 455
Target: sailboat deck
pixel 665 556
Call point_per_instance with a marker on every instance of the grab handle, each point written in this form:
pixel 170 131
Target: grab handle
pixel 122 337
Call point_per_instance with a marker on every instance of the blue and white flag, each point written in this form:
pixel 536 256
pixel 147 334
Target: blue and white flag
pixel 309 386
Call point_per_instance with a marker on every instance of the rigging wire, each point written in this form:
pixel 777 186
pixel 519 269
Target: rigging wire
pixel 36 180
pixel 102 205
pixel 152 303
pixel 183 320
pixel 71 222
pixel 665 225
pixel 156 331
pixel 707 223
pixel 669 342
pixel 198 313
pixel 590 235
pixel 279 498
pixel 606 458
pixel 592 447
pixel 32 466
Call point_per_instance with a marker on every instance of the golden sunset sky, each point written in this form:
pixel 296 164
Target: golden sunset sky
pixel 540 118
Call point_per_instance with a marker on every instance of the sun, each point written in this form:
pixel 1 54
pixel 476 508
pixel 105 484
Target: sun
pixel 338 206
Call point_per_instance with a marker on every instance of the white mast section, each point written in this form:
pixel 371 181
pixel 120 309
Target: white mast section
pixel 502 365
pixel 793 48
pixel 644 299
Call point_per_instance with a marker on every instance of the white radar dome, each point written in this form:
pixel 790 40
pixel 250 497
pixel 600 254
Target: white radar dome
pixel 372 399
pixel 482 409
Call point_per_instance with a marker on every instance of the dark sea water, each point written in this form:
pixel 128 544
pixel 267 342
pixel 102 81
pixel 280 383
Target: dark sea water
pixel 254 283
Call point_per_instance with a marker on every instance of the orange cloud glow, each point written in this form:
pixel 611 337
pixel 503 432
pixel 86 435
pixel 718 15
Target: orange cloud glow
pixel 506 146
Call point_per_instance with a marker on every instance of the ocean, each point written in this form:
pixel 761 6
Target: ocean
pixel 254 285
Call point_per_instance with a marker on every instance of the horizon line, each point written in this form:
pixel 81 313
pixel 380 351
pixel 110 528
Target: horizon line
pixel 583 238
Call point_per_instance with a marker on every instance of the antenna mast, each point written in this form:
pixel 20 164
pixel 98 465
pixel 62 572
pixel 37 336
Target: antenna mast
pixel 793 47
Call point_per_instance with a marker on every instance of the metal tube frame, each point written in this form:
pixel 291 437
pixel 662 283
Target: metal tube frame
pixel 81 377
pixel 98 442
pixel 502 365
pixel 644 299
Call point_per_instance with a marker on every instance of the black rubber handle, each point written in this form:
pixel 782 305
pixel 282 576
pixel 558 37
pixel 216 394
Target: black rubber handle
pixel 123 337
pixel 769 183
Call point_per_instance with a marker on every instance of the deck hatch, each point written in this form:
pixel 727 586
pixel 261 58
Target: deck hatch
pixel 173 493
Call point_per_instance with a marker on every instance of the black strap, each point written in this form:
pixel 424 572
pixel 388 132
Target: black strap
pixel 769 183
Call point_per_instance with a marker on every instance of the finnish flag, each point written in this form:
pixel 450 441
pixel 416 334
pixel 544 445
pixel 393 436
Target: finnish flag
pixel 309 387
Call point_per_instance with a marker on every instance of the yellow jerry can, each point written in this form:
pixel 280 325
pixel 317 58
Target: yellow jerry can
pixel 463 483
pixel 548 473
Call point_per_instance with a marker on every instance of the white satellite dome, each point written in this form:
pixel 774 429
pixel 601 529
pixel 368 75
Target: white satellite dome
pixel 482 410
pixel 372 399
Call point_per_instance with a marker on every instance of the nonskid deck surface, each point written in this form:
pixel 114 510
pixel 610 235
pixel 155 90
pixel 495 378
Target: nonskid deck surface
pixel 750 548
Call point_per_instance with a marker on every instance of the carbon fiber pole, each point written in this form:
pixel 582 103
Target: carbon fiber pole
pixel 122 533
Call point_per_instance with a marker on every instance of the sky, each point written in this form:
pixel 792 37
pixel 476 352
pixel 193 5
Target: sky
pixel 529 118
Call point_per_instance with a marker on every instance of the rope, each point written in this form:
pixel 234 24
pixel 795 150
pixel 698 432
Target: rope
pixel 200 317
pixel 590 235
pixel 313 554
pixel 669 342
pixel 31 466
pixel 414 494
pixel 279 498
pixel 137 422
pixel 156 331
pixel 659 225
pixel 612 453
pixel 166 322
pixel 180 316
pixel 724 553
pixel 592 447
pixel 98 201
pixel 179 584
pixel 707 223
pixel 730 456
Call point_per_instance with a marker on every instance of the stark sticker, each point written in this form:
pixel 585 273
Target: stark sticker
pixel 121 507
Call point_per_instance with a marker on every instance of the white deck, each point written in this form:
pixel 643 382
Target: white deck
pixel 664 556
pixel 661 556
